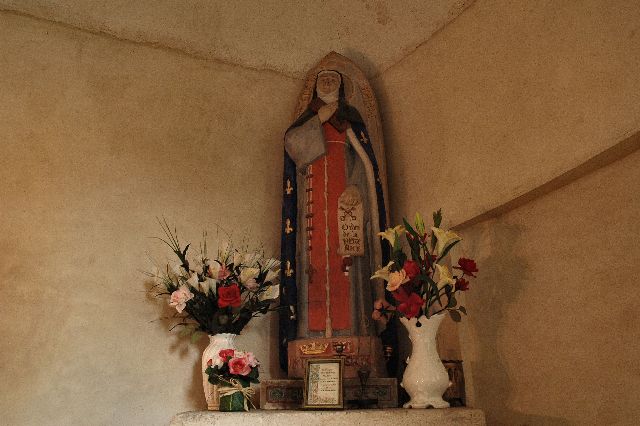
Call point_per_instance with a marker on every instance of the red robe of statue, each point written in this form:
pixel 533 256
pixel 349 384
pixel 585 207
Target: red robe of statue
pixel 326 181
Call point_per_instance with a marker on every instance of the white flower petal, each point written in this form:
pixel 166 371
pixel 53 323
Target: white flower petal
pixel 272 275
pixel 272 292
pixel 248 273
pixel 444 239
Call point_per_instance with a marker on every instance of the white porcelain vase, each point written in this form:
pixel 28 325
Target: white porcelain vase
pixel 217 343
pixel 425 378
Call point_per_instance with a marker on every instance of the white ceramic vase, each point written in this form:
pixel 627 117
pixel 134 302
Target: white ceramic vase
pixel 425 378
pixel 217 343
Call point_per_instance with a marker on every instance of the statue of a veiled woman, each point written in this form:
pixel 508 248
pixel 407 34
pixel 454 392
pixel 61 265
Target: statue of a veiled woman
pixel 333 209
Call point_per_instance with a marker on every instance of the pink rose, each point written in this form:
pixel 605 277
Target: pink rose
pixel 239 366
pixel 226 353
pixel 180 297
pixel 251 359
pixel 223 272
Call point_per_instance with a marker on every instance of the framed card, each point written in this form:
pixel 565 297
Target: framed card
pixel 323 383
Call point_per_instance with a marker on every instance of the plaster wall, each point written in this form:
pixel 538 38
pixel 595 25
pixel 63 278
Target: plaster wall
pixel 499 104
pixel 98 137
pixel 553 330
pixel 287 36
pixel 506 97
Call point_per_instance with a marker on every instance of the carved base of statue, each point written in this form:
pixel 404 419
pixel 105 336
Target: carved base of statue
pixel 358 352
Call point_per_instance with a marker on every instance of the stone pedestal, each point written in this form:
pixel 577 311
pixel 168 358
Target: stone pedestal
pixel 357 351
pixel 398 416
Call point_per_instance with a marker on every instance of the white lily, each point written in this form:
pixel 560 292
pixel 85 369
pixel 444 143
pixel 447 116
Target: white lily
pixel 175 269
pixel 272 275
pixel 208 285
pixel 270 263
pixel 445 277
pixel 251 258
pixel 237 258
pixel 444 239
pixel 193 280
pixel 223 251
pixel 392 234
pixel 383 273
pixel 248 273
pixel 214 267
pixel 272 292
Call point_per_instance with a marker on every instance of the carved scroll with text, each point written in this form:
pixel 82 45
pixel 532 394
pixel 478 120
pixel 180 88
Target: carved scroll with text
pixel 351 223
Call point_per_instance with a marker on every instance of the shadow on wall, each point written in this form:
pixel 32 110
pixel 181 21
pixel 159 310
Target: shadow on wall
pixel 502 278
pixel 181 345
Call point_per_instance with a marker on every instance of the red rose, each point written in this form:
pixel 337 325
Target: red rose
pixel 411 268
pixel 229 296
pixel 210 362
pixel 462 284
pixel 467 266
pixel 226 353
pixel 239 366
pixel 410 303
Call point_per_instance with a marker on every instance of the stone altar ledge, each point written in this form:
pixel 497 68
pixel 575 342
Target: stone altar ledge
pixel 397 416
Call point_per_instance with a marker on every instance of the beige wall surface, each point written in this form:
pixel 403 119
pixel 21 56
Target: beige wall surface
pixel 99 137
pixel 504 99
pixel 553 333
pixel 288 36
pixel 508 96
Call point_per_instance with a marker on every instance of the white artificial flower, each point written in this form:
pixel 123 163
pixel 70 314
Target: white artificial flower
pixel 272 292
pixel 270 263
pixel 208 285
pixel 214 268
pixel 248 273
pixel 445 276
pixel 272 275
pixel 392 234
pixel 180 297
pixel 223 251
pixel 383 273
pixel 193 280
pixel 444 239
pixel 176 269
pixel 251 284
pixel 251 258
pixel 237 258
pixel 396 279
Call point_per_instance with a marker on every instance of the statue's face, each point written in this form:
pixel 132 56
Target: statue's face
pixel 327 83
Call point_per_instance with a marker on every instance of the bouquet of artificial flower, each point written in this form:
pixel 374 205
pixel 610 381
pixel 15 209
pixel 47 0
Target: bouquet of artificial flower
pixel 419 283
pixel 233 371
pixel 220 294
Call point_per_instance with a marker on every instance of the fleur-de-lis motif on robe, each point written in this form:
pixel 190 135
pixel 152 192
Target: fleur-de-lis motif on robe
pixel 288 271
pixel 287 227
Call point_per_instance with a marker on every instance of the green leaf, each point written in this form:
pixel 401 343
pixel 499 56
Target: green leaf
pixel 409 228
pixel 253 374
pixel 455 315
pixel 437 218
pixel 452 301
pixel 399 259
pixel 445 252
pixel 462 309
pixel 419 223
